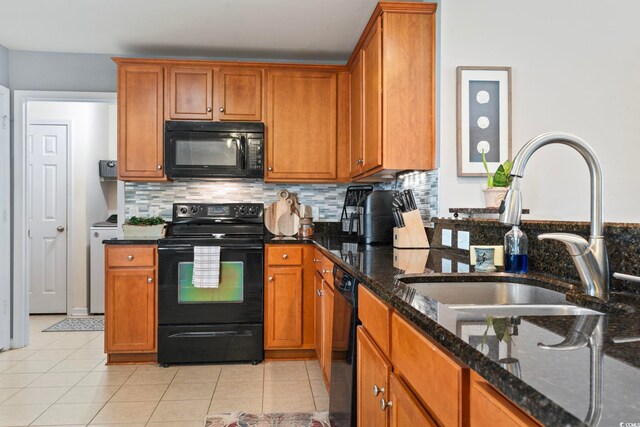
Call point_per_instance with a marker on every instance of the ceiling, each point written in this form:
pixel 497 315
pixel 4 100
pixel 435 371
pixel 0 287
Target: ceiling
pixel 320 30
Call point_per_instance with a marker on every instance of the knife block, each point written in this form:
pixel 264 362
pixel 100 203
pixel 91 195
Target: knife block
pixel 413 234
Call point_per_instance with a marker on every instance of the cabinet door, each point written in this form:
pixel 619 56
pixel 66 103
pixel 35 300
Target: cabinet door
pixel 356 117
pixel 373 370
pixel 190 93
pixel 372 98
pixel 140 122
pixel 240 94
pixel 130 310
pixel 327 330
pixel 301 126
pixel 405 410
pixel 283 308
pixel 317 279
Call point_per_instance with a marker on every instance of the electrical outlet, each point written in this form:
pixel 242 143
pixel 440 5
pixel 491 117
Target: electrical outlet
pixel 463 267
pixel 446 237
pixel 446 265
pixel 463 240
pixel 315 212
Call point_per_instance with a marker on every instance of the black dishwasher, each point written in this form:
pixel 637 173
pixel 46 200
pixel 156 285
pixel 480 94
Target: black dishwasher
pixel 342 397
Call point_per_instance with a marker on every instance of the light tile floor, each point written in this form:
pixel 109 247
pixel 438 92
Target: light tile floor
pixel 61 379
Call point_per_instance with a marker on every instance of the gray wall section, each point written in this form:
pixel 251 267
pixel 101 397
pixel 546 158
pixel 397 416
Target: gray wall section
pixel 61 71
pixel 4 66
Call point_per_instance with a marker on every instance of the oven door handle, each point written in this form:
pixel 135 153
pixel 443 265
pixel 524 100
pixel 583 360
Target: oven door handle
pixel 241 147
pixel 189 248
pixel 212 334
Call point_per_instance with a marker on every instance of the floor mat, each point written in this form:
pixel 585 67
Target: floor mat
pixel 241 419
pixel 72 324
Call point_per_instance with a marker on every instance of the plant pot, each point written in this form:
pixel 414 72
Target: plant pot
pixel 494 196
pixel 144 231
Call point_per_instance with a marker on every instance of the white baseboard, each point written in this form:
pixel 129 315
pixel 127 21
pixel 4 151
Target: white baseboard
pixel 79 311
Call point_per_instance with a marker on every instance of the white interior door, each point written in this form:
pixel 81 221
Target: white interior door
pixel 5 241
pixel 47 217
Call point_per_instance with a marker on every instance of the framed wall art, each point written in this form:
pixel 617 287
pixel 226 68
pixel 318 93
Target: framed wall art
pixel 484 118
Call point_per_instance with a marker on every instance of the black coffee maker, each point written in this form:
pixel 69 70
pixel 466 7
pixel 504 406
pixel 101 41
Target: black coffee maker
pixel 375 225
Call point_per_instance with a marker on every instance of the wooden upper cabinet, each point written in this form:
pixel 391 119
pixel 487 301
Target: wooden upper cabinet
pixel 190 93
pixel 397 55
pixel 302 126
pixel 372 100
pixel 240 92
pixel 140 122
pixel 356 94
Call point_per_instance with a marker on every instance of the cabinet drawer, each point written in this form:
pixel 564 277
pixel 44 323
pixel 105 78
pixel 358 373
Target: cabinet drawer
pixel 437 379
pixel 327 270
pixel 284 255
pixel 131 256
pixel 318 260
pixel 489 408
pixel 375 317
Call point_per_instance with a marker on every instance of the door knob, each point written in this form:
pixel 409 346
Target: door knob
pixel 385 404
pixel 60 229
pixel 377 390
pixel 222 109
pixel 208 109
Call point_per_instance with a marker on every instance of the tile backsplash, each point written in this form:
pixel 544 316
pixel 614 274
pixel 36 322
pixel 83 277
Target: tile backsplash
pixel 150 198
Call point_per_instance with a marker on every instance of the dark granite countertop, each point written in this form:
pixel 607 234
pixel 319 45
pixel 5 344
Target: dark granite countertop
pixel 554 386
pixel 130 241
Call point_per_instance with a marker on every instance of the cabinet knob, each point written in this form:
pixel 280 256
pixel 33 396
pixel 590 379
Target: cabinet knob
pixel 222 109
pixel 159 167
pixel 377 390
pixel 385 404
pixel 315 260
pixel 130 257
pixel 285 256
pixel 271 278
pixel 149 279
pixel 359 162
pixel 208 109
pixel 320 292
pixel 269 168
pixel 324 271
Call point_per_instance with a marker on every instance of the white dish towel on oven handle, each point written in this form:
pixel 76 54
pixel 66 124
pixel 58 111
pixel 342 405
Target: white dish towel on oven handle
pixel 206 266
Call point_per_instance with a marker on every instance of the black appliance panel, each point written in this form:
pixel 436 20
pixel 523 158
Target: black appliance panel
pixel 205 343
pixel 342 397
pixel 180 304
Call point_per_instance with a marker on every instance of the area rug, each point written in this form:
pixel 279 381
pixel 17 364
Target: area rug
pixel 241 419
pixel 72 324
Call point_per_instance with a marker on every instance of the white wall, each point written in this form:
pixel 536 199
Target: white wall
pixel 4 66
pixel 576 68
pixel 90 141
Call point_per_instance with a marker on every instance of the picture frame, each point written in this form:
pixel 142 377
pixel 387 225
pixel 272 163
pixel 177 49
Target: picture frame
pixel 483 118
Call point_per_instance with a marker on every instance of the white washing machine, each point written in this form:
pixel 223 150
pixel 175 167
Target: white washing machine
pixel 99 231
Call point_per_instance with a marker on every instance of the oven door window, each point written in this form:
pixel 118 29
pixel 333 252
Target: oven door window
pixel 230 290
pixel 206 150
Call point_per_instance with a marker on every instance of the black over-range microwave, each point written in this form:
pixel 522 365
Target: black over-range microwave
pixel 213 149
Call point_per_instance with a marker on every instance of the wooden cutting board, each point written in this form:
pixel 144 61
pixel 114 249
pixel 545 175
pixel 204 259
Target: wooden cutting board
pixel 281 217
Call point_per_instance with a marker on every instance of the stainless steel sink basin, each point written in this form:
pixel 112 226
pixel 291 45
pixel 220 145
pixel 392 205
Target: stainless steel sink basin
pixel 525 310
pixel 500 299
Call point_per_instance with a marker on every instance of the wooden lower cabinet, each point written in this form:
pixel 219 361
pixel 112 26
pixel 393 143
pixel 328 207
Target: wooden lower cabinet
pixel 131 320
pixel 289 324
pixel 372 382
pixel 404 409
pixel 489 408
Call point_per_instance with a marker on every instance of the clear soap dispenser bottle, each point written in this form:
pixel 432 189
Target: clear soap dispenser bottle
pixel 515 251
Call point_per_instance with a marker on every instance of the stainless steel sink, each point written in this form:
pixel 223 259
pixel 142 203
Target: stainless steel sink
pixel 500 299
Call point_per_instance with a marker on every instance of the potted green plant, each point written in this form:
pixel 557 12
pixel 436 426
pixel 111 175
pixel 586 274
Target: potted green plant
pixel 144 228
pixel 497 183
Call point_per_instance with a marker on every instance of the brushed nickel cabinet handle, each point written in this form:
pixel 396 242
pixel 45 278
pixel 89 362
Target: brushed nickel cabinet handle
pixel 222 109
pixel 159 167
pixel 385 404
pixel 149 279
pixel 209 109
pixel 377 390
pixel 130 257
pixel 285 256
pixel 269 168
pixel 271 278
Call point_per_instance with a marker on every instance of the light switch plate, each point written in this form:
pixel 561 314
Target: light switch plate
pixel 446 237
pixel 446 265
pixel 463 240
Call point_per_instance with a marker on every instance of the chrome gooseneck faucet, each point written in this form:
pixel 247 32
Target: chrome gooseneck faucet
pixel 590 258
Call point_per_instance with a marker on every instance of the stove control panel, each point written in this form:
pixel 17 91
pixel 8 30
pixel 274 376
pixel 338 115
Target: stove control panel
pixel 213 211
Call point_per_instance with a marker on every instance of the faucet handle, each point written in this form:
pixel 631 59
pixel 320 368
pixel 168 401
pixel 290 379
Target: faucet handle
pixel 576 245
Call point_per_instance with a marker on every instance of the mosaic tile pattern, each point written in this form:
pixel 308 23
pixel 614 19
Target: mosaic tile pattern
pixel 150 198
